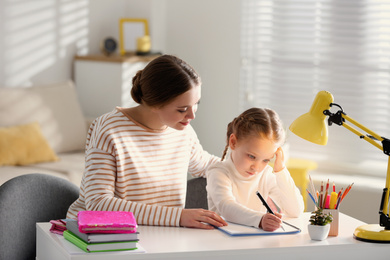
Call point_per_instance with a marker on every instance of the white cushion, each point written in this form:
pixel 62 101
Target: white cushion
pixel 9 172
pixel 70 164
pixel 55 107
pixel 70 167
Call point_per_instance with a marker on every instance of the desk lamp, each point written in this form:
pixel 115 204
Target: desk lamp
pixel 312 127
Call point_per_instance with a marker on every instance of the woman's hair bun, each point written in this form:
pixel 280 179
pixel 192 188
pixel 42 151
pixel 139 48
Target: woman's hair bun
pixel 136 91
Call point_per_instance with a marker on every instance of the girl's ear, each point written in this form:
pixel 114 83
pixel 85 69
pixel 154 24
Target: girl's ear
pixel 232 141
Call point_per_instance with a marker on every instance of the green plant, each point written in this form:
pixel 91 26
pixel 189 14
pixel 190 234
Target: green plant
pixel 319 218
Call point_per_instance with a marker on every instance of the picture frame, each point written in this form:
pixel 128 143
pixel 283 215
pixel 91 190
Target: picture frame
pixel 129 30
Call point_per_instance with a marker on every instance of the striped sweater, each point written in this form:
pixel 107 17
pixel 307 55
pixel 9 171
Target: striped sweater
pixel 131 168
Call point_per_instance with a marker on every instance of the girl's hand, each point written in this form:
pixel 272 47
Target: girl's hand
pixel 200 218
pixel 270 222
pixel 279 160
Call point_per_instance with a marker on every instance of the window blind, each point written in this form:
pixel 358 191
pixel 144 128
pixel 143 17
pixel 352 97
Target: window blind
pixel 292 49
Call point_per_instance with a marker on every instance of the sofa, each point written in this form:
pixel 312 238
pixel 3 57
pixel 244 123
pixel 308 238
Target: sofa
pixel 42 130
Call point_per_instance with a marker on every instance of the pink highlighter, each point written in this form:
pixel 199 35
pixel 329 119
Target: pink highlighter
pixel 327 202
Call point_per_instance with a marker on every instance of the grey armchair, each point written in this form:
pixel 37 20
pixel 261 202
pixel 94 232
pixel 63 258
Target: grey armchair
pixel 26 200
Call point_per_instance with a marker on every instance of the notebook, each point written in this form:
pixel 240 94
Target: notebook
pixel 233 229
pixel 99 247
pixel 106 222
pixel 73 226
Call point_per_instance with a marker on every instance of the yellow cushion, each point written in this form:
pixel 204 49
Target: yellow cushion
pixel 24 144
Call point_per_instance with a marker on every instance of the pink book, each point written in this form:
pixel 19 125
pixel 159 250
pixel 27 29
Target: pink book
pixel 106 222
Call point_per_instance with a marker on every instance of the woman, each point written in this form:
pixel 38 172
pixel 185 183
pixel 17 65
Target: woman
pixel 137 158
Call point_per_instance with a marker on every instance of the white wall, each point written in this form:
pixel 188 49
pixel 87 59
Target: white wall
pixel 38 39
pixel 206 34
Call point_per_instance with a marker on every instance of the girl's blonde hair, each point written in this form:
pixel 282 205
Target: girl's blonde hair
pixel 257 122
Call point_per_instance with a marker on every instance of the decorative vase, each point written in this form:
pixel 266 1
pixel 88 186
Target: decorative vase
pixel 318 232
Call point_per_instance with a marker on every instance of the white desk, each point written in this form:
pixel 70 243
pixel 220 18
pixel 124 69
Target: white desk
pixel 186 243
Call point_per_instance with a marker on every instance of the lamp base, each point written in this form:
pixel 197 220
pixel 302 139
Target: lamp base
pixel 372 233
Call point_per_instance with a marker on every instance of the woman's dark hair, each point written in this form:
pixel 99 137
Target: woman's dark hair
pixel 258 122
pixel 162 80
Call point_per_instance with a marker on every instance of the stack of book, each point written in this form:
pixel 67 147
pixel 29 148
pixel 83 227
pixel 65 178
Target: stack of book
pixel 101 231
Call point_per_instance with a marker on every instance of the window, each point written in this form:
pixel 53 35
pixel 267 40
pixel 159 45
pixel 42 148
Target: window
pixel 293 49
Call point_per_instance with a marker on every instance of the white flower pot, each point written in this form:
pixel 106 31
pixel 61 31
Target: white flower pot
pixel 318 232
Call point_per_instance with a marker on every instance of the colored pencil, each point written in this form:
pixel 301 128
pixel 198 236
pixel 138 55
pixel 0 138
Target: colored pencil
pixel 346 192
pixel 339 198
pixel 313 190
pixel 311 197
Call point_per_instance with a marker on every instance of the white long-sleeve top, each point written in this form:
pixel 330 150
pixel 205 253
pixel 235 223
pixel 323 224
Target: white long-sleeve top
pixel 234 197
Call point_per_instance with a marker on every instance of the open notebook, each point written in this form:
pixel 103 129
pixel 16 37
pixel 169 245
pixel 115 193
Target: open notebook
pixel 234 229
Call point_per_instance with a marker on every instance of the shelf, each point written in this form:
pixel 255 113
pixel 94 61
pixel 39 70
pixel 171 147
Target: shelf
pixel 116 58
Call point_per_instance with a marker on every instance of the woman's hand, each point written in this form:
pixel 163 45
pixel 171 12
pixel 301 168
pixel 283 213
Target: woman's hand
pixel 279 160
pixel 270 222
pixel 200 218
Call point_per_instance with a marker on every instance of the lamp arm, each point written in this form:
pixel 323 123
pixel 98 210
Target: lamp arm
pixel 384 219
pixel 365 137
pixel 340 117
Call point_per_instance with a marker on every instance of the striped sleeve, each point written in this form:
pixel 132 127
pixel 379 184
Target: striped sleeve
pixel 130 168
pixel 200 159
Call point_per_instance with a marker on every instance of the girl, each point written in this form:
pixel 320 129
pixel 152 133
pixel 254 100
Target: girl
pixel 137 158
pixel 253 139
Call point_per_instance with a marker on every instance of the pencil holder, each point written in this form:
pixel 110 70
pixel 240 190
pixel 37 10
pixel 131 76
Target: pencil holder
pixel 334 226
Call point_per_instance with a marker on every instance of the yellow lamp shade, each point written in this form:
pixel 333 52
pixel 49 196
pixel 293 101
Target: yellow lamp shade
pixel 312 126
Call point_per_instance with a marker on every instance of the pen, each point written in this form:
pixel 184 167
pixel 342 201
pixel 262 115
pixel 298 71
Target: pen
pixel 266 205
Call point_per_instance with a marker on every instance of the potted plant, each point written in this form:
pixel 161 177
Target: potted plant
pixel 319 224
